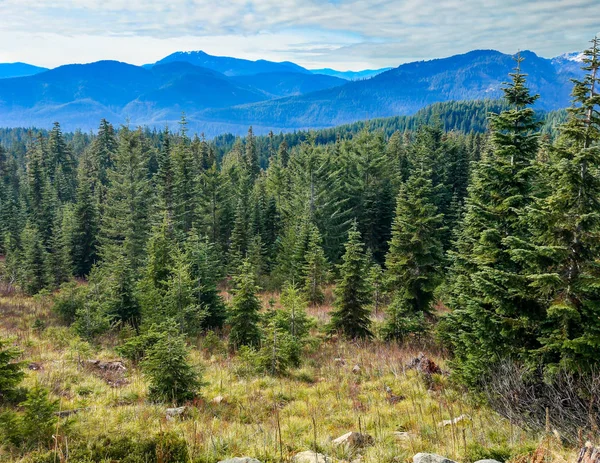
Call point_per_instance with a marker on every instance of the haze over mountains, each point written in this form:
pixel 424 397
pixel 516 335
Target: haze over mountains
pixel 223 94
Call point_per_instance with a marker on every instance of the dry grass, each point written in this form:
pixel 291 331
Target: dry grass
pixel 264 417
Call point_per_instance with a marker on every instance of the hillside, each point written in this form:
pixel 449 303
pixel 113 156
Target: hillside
pixel 406 89
pixel 8 70
pixel 220 94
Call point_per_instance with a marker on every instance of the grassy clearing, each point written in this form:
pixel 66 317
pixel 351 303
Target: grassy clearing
pixel 268 418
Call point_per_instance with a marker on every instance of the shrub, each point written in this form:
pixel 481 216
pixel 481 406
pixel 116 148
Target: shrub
pixel 69 301
pixel 35 425
pixel 172 378
pixel 11 371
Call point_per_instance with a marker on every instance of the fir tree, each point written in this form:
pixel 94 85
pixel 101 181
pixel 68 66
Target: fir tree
pixel 206 270
pixel 244 311
pixel 35 273
pixel 11 370
pixel 568 238
pixel 494 311
pixel 315 268
pixel 352 294
pixel 415 258
pixel 86 223
pixel 172 378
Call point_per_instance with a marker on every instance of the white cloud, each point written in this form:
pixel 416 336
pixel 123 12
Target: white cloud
pixel 339 33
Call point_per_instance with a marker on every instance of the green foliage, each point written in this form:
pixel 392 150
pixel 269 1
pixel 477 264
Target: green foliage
pixel 11 371
pixel 33 426
pixel 69 301
pixel 244 316
pixel 495 312
pixel 352 293
pixel 166 365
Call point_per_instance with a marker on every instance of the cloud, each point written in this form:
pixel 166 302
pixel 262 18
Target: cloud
pixel 342 33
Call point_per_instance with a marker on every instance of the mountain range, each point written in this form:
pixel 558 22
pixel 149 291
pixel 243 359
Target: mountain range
pixel 223 94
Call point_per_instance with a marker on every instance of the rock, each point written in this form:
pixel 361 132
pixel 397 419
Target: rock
pixel 430 458
pixel 310 457
pixel 403 436
pixel 455 421
pixel 113 365
pixel 173 413
pixel 356 369
pixel 35 366
pixel 240 460
pixel 354 440
pixel 487 461
pixel 66 413
pixel 219 400
pixel 424 364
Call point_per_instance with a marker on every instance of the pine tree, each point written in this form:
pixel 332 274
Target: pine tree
pixel 165 177
pixel 315 268
pixel 206 270
pixel 86 223
pixel 415 258
pixel 568 238
pixel 125 219
pixel 179 302
pixel 172 378
pixel 61 166
pixel 494 311
pixel 35 273
pixel 11 370
pixel 251 155
pixel 352 294
pixel 102 153
pixel 59 260
pixel 244 311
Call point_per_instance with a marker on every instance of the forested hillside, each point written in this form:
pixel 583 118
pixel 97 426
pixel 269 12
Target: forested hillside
pixel 295 272
pixel 223 94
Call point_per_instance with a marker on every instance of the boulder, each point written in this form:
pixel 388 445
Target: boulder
pixel 240 460
pixel 354 440
pixel 310 457
pixel 403 436
pixel 172 413
pixel 219 400
pixel 430 458
pixel 356 369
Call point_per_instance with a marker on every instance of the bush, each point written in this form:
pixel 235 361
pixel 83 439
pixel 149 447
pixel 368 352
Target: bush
pixel 69 301
pixel 566 401
pixel 35 425
pixel 11 371
pixel 160 448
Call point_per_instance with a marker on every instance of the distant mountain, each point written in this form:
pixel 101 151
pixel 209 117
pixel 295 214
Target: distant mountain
pixel 78 95
pixel 277 84
pixel 286 98
pixel 350 75
pixel 404 90
pixel 230 66
pixel 8 70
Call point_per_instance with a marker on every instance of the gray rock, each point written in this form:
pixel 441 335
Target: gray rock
pixel 354 439
pixel 430 458
pixel 240 460
pixel 487 461
pixel 404 436
pixel 172 413
pixel 311 457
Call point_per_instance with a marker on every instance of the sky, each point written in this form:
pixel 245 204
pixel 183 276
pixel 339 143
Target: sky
pixel 341 34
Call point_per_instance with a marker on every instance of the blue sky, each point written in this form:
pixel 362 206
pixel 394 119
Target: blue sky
pixel 343 34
